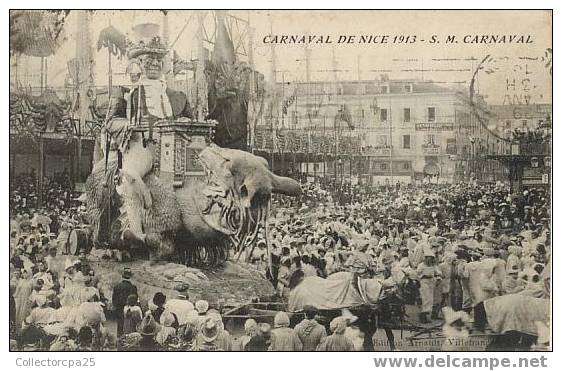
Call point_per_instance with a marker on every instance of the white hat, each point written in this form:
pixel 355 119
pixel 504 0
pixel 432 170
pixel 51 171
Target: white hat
pixel 428 252
pixel 202 306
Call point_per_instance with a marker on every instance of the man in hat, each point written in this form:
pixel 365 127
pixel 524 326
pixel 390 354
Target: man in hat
pixel 149 101
pixel 484 285
pixel 428 273
pixel 146 51
pixel 310 332
pixel 511 284
pixel 259 255
pixel 359 262
pixel 261 340
pixel 120 294
pixel 148 328
pixel 201 307
pixel 207 337
pixel 51 258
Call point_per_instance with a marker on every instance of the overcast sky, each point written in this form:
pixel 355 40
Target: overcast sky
pixel 404 61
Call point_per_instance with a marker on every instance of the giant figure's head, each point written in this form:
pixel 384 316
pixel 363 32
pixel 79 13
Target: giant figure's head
pixel 146 47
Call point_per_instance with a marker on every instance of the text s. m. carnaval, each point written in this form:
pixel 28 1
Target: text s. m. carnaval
pixel 399 39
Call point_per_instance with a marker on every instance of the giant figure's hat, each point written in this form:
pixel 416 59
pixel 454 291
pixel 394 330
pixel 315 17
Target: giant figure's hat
pixel 145 39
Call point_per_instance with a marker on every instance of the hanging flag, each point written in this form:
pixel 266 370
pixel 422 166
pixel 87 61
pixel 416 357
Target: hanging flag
pixel 223 52
pixel 112 39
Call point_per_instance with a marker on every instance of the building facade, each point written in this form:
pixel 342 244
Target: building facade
pixel 527 155
pixel 407 130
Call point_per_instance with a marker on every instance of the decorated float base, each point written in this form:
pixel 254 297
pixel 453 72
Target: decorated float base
pixel 229 286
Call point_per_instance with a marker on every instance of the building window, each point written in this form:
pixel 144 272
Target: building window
pixel 384 167
pixel 524 124
pixel 408 88
pixel 508 124
pixel 406 141
pixel 451 146
pixel 406 115
pixel 384 114
pixel 430 139
pixel 384 89
pixel 430 114
pixel 406 166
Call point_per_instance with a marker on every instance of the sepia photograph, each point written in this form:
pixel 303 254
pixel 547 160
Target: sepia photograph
pixel 280 180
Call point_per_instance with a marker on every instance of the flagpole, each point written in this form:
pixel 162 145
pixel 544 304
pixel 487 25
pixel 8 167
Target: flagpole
pixel 109 69
pixel 273 84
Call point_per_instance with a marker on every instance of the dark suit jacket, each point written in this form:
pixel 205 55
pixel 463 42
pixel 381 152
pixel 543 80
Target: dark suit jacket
pixel 178 101
pixel 120 294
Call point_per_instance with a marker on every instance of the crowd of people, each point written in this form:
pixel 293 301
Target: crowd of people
pixel 177 324
pixel 449 246
pixel 57 192
pixel 47 284
pixel 453 245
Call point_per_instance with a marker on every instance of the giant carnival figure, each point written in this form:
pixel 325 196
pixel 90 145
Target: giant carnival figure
pixel 162 184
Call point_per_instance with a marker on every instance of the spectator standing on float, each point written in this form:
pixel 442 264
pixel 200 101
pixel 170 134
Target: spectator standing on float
pixel 120 294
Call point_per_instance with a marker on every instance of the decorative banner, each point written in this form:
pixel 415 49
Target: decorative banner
pixel 377 151
pixel 435 126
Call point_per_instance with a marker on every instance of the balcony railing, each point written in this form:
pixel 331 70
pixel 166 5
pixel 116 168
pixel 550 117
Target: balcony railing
pixel 383 151
pixel 538 147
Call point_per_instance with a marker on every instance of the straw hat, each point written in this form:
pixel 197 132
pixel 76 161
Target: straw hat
pixel 209 330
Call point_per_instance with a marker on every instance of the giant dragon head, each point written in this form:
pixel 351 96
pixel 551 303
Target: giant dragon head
pixel 246 175
pixel 240 185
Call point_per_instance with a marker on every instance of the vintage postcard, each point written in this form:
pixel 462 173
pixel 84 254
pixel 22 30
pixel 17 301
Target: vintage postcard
pixel 280 180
